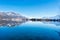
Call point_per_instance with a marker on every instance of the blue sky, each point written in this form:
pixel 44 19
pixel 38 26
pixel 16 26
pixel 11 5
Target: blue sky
pixel 31 8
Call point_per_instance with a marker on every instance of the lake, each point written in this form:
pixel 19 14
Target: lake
pixel 30 31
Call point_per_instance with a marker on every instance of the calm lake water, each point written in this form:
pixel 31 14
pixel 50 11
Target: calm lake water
pixel 30 31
